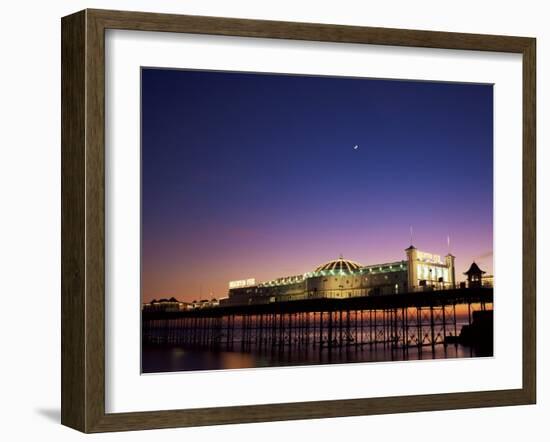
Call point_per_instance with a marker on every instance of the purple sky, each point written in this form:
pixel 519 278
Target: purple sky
pixel 256 176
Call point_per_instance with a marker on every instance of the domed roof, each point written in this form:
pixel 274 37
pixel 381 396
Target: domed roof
pixel 340 265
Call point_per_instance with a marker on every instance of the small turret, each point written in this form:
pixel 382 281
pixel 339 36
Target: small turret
pixel 474 275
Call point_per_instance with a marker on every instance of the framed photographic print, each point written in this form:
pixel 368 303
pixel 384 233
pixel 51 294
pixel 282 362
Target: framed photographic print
pixel 270 220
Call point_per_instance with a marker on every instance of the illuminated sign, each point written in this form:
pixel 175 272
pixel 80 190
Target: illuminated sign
pixel 429 257
pixel 242 283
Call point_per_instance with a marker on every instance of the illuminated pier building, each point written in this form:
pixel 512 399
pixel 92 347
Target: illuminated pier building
pixel 342 278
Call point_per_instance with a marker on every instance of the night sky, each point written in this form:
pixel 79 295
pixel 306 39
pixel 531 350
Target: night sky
pixel 257 176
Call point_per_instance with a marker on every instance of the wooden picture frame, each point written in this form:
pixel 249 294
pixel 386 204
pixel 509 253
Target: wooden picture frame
pixel 83 220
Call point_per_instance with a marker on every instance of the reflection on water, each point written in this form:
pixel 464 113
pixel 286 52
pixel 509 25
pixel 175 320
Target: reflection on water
pixel 157 359
pixel 250 341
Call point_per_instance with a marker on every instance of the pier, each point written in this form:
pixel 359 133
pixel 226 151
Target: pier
pixel 420 319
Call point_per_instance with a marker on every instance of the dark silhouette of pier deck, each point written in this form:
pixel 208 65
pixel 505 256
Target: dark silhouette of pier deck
pixel 400 321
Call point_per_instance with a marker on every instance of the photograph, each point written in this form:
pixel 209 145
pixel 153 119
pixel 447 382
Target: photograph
pixel 294 220
pixel 249 221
